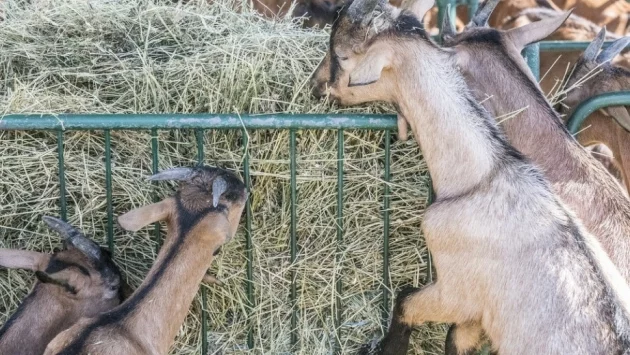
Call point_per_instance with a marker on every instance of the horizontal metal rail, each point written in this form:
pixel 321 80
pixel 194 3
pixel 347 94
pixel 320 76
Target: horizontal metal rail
pixel 196 121
pixel 593 104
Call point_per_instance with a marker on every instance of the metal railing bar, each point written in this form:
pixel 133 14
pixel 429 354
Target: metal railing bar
pixel 531 54
pixel 154 168
pixel 339 251
pixel 293 238
pixel 63 207
pixel 386 192
pixel 621 98
pixel 556 46
pixel 249 283
pixel 195 121
pixel 430 199
pixel 204 294
pixel 108 191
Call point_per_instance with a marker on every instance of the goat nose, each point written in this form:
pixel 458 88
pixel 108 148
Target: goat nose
pixel 317 91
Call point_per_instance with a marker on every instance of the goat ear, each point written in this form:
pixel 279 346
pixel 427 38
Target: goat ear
pixel 620 114
pixel 23 259
pixel 55 279
pixel 369 69
pixel 536 31
pixel 418 7
pixel 141 217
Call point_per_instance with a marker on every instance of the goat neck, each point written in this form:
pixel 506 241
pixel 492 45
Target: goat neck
pixel 22 337
pixel 453 136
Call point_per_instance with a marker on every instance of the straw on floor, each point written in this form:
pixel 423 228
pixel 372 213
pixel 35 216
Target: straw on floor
pixel 146 56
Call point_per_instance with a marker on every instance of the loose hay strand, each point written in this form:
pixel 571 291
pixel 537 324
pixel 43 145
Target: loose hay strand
pixel 151 56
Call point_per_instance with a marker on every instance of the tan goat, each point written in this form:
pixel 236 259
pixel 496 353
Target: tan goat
pixel 490 61
pixel 79 281
pixel 593 75
pixel 508 254
pixel 201 216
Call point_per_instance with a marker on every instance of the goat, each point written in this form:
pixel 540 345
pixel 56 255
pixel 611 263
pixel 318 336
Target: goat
pixel 495 226
pixel 80 281
pixel 491 63
pixel 610 125
pixel 610 13
pixel 201 216
pixel 555 65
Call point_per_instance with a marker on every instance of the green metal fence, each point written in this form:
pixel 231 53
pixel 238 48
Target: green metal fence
pixel 201 122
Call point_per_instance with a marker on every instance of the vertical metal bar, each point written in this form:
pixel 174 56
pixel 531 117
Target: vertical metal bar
pixel 386 178
pixel 339 284
pixel 62 177
pixel 154 167
pixel 204 293
pixel 249 283
pixel 108 190
pixel 532 56
pixel 293 240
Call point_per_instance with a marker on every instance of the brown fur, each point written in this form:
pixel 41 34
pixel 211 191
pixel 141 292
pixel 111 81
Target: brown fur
pixel 555 66
pixel 600 126
pixel 149 320
pixel 610 13
pixel 50 307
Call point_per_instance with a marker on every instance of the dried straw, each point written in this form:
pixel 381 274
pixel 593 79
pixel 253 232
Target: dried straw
pixel 148 56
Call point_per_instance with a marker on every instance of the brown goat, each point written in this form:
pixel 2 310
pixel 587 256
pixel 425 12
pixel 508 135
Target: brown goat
pixel 507 252
pixel 201 216
pixel 556 65
pixel 79 281
pixel 593 75
pixel 490 61
pixel 610 13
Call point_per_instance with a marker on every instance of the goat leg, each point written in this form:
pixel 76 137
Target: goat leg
pixel 463 339
pixel 414 306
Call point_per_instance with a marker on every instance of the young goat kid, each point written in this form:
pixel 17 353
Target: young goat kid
pixel 202 216
pixel 80 281
pixel 509 255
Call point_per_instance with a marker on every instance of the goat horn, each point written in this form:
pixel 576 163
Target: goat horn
pixel 177 174
pixel 483 14
pixel 74 237
pixel 448 29
pixel 613 50
pixel 590 53
pixel 219 186
pixel 359 9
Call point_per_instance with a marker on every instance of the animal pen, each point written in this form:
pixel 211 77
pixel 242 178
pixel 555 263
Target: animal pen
pixel 201 130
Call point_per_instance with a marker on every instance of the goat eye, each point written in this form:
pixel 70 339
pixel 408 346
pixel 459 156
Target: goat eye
pixel 343 58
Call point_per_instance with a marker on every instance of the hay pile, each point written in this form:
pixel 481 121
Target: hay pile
pixel 150 57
